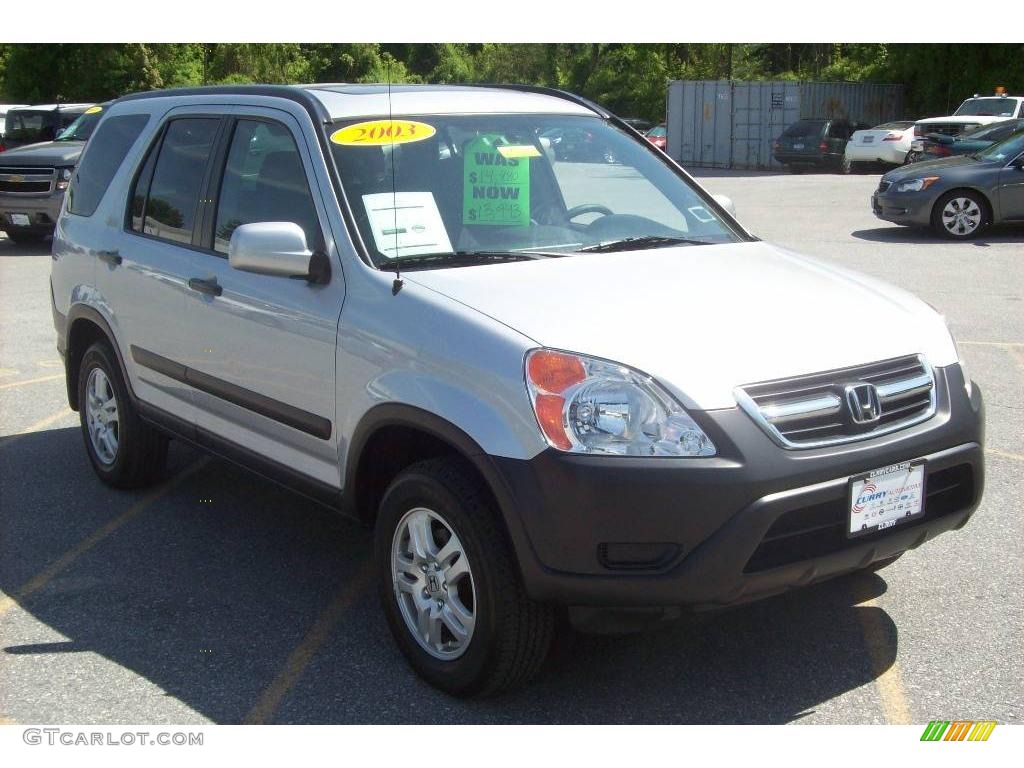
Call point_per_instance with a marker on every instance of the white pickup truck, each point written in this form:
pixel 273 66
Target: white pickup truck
pixel 978 110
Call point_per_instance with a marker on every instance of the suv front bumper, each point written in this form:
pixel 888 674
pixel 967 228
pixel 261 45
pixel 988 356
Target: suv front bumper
pixel 753 521
pixel 42 212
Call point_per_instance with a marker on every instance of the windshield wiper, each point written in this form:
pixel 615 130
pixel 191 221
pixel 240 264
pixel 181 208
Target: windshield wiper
pixel 639 243
pixel 464 258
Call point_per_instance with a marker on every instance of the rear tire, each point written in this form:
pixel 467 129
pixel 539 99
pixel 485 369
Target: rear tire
pixel 509 635
pixel 124 451
pixel 960 214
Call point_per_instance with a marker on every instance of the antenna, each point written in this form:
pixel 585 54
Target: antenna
pixel 396 286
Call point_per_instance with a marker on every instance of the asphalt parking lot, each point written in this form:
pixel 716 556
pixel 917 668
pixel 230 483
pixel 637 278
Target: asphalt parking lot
pixel 219 597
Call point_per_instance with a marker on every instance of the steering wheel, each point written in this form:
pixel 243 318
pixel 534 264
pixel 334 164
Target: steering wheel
pixel 579 210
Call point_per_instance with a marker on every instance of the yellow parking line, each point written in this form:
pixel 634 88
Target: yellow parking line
pixel 32 381
pixel 888 681
pixel 304 652
pixel 41 424
pixel 1005 454
pixel 62 563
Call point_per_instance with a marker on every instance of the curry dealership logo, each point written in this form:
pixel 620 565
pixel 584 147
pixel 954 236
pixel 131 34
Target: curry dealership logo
pixel 958 730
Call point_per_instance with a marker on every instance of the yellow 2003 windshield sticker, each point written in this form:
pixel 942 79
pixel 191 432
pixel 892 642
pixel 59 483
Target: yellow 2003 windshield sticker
pixel 375 133
pixel 94 110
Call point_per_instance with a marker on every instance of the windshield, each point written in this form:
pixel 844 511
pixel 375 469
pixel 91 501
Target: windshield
pixel 1004 150
pixel 658 132
pixel 84 125
pixel 993 132
pixel 995 106
pixel 29 127
pixel 508 184
pixel 804 129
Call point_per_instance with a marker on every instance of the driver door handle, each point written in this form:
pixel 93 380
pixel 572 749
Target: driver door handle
pixel 113 258
pixel 210 287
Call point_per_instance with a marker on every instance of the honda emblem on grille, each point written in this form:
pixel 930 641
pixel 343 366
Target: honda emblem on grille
pixel 862 401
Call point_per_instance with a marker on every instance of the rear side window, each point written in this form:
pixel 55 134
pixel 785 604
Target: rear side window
pixel 167 199
pixel 104 155
pixel 264 181
pixel 804 129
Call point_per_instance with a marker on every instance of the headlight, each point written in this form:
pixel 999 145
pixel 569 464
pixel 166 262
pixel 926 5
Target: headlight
pixel 64 178
pixel 916 185
pixel 585 405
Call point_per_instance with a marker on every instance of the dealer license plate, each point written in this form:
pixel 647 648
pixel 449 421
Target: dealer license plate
pixel 886 497
pixel 798 146
pixel 20 220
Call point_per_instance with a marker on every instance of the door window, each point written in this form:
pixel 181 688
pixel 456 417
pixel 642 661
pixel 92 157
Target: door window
pixel 169 210
pixel 264 181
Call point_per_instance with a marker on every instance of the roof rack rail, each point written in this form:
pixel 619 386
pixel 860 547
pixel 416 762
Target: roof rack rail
pixel 291 92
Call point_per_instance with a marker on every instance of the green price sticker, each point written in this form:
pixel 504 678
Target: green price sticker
pixel 495 187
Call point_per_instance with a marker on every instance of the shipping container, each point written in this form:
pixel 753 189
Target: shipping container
pixel 732 123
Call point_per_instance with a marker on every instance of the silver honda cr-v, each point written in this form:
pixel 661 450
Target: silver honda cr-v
pixel 544 364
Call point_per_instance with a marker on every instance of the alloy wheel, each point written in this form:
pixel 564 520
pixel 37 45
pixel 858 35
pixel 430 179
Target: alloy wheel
pixel 101 416
pixel 433 583
pixel 961 216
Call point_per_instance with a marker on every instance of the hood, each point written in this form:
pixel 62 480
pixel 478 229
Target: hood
pixel 914 170
pixel 963 120
pixel 44 153
pixel 702 319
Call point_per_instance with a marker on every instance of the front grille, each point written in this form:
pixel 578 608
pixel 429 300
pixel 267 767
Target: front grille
pixel 884 185
pixel 27 180
pixel 818 530
pixel 816 410
pixel 947 129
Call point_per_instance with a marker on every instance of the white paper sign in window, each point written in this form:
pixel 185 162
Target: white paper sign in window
pixel 406 224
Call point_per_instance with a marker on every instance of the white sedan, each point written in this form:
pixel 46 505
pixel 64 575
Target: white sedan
pixel 886 143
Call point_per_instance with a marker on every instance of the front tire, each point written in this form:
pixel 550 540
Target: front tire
pixel 960 214
pixel 124 451
pixel 449 585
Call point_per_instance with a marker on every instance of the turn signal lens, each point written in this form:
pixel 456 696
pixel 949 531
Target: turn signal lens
pixel 549 415
pixel 554 371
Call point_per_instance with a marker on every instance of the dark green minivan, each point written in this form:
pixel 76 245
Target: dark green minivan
pixel 814 143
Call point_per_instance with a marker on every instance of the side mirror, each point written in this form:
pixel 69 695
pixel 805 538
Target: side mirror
pixel 726 202
pixel 276 248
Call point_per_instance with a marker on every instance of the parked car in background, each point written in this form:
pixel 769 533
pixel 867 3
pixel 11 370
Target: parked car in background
pixel 658 136
pixel 885 143
pixel 936 145
pixel 976 111
pixel 814 143
pixel 4 109
pixel 578 145
pixel 643 126
pixel 957 196
pixel 33 179
pixel 29 125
